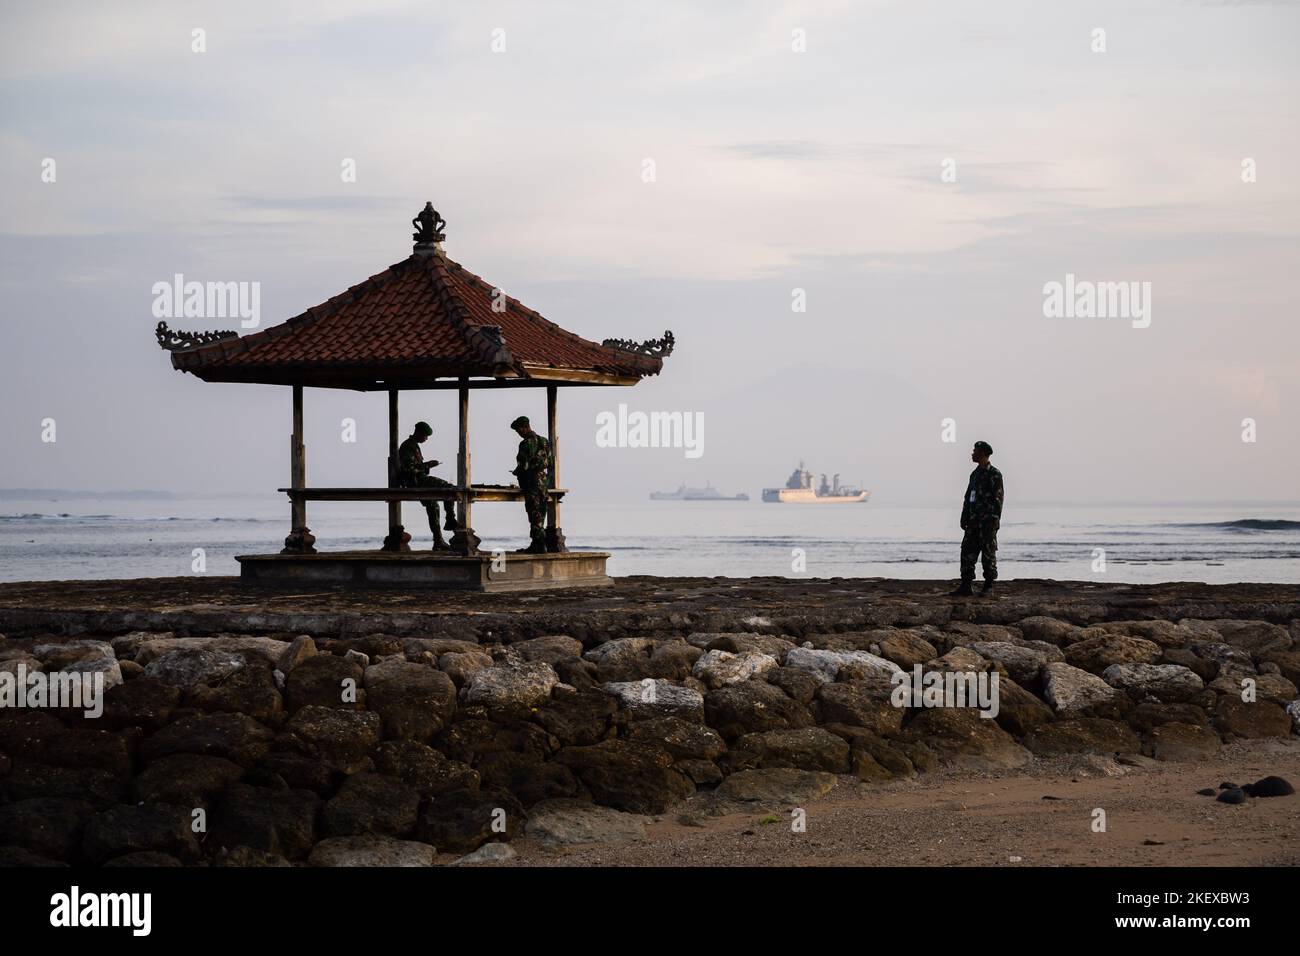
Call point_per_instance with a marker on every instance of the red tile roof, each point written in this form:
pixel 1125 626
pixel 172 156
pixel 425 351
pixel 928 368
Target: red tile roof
pixel 421 319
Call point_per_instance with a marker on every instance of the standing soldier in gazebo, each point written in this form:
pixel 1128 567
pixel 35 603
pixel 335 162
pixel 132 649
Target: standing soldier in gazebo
pixel 533 468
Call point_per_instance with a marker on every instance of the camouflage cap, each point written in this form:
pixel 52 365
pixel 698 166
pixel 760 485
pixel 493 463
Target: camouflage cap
pixel 520 422
pixel 984 447
pixel 423 428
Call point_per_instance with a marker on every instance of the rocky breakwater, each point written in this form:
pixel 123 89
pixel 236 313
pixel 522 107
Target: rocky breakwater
pixel 386 749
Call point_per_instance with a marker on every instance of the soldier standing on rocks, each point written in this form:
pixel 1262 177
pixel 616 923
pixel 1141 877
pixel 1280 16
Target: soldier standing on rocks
pixel 981 516
pixel 413 472
pixel 533 467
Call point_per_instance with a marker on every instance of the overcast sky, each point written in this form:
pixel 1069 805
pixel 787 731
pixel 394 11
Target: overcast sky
pixel 774 170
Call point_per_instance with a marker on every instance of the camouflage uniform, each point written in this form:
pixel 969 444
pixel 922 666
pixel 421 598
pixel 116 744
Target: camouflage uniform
pixel 981 512
pixel 532 467
pixel 411 473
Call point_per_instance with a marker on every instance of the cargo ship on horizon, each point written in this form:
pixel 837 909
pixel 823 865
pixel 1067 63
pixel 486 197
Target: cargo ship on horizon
pixel 799 490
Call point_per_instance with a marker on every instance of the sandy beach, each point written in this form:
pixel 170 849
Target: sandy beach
pixel 1155 819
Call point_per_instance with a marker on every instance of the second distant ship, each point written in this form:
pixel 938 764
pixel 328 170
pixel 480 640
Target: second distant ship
pixel 707 493
pixel 799 490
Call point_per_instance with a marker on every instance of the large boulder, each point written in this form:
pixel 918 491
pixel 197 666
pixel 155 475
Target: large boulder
pixel 325 681
pixel 1254 637
pixel 579 719
pixel 858 704
pixel 251 690
pixel 28 779
pixel 370 804
pixel 1049 629
pixel 1205 669
pixel 965 740
pixel 799 685
pixel 236 737
pixel 282 822
pixel 512 691
pixel 959 659
pixel 413 701
pixel 719 668
pixel 683 739
pixel 776 786
pixel 1237 718
pixel 1164 633
pixel 628 775
pixel 873 758
pixel 1167 682
pixel 649 698
pixel 1018 710
pixel 142 702
pixel 633 658
pixel 1085 735
pixel 807 748
pixel 906 648
pixel 286 770
pixel 157 827
pixel 186 780
pixel 622 650
pixel 48 826
pixel 1022 661
pixel 469 739
pixel 462 666
pixel 548 649
pixel 1288 663
pixel 268 649
pixel 298 650
pixel 827 665
pixel 186 667
pixel 753 707
pixel 83 747
pixel 1182 742
pixel 740 643
pixel 423 769
pixel 1097 653
pixel 1272 687
pixel 342 738
pixel 460 821
pixel 1153 713
pixel 572 823
pixel 1073 692
pixel 527 776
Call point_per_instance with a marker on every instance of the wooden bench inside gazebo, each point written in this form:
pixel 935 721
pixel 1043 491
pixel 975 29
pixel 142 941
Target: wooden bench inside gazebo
pixel 425 323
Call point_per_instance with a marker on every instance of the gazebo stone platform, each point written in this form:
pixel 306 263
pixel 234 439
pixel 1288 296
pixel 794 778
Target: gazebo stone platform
pixel 424 325
pixel 436 569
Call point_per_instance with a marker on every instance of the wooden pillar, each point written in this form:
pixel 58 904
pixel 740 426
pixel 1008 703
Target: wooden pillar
pixel 554 536
pixel 398 539
pixel 464 541
pixel 300 539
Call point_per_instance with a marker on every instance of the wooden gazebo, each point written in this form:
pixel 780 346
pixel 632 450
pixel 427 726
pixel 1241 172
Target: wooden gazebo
pixel 423 323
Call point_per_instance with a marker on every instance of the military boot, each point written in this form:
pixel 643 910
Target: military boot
pixel 963 590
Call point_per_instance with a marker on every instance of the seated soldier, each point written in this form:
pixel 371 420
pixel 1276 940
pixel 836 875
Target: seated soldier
pixel 413 472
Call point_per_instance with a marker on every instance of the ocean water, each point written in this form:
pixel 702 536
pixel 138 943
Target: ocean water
pixel 52 539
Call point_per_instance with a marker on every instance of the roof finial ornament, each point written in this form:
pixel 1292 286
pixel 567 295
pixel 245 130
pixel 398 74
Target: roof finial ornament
pixel 428 230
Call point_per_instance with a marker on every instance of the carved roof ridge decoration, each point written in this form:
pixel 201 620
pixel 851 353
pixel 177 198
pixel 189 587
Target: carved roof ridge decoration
pixel 656 348
pixel 428 229
pixel 174 340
